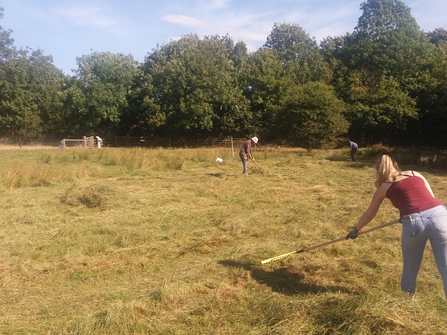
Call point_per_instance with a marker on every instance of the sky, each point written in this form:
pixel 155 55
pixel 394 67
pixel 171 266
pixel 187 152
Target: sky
pixel 67 29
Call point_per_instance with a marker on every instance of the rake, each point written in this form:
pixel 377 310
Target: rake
pixel 256 163
pixel 342 238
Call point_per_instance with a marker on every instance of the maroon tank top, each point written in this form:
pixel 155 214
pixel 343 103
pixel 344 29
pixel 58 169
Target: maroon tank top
pixel 410 195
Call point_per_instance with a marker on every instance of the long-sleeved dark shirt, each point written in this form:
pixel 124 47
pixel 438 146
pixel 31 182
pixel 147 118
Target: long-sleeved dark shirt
pixel 246 149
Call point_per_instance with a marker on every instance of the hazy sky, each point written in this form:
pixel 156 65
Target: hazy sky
pixel 66 29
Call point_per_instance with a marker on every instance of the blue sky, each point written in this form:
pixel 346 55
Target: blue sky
pixel 66 29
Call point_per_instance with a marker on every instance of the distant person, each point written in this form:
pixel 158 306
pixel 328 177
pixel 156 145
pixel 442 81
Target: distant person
pixel 354 146
pixel 423 218
pixel 245 153
pixel 99 142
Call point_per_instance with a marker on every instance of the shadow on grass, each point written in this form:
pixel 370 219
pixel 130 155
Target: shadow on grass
pixel 288 281
pixel 218 175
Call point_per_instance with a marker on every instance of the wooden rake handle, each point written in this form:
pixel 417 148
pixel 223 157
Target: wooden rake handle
pixel 342 238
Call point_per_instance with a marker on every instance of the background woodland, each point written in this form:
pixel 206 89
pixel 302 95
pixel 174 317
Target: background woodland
pixel 385 82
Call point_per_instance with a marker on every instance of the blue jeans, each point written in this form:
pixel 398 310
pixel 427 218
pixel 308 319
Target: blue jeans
pixel 417 228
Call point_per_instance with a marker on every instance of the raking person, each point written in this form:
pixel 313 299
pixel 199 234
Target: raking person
pixel 245 153
pixel 354 147
pixel 423 218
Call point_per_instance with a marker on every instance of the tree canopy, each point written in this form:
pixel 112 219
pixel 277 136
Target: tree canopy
pixel 195 83
pixel 384 82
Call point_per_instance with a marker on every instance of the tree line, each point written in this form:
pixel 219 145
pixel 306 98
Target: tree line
pixel 386 82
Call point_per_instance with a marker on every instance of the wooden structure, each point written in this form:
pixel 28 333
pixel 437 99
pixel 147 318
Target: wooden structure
pixel 85 142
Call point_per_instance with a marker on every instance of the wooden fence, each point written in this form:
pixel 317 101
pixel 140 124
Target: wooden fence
pixel 85 142
pixel 133 141
pixel 165 142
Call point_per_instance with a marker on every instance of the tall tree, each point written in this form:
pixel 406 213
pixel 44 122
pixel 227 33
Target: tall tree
pixel 386 50
pixel 437 36
pixel 387 40
pixel 312 116
pixel 143 115
pixel 28 85
pixel 298 52
pixel 266 85
pixel 195 85
pixel 98 96
pixel 431 126
pixel 6 41
pixel 379 111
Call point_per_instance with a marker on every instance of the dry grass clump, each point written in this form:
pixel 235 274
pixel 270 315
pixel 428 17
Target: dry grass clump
pixel 91 196
pixel 172 243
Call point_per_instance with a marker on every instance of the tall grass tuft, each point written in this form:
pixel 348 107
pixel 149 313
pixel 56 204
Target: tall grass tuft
pixel 46 157
pixel 175 163
pixel 132 159
pixel 83 154
pixel 27 176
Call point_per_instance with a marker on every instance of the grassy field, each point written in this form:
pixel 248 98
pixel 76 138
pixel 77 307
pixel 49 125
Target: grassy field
pixel 160 241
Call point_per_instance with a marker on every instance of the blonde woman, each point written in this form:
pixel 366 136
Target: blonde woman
pixel 423 218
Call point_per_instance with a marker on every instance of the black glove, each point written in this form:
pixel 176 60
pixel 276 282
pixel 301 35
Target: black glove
pixel 353 233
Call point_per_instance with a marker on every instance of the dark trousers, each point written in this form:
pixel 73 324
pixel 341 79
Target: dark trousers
pixel 353 153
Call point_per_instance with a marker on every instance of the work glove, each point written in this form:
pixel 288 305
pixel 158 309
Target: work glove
pixel 353 233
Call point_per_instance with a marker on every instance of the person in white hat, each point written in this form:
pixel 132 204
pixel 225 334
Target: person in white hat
pixel 245 153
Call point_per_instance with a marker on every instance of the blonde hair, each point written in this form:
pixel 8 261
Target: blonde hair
pixel 386 168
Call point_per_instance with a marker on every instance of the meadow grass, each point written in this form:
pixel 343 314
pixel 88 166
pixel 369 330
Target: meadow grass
pixel 168 241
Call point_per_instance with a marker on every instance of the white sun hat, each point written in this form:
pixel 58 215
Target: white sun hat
pixel 254 139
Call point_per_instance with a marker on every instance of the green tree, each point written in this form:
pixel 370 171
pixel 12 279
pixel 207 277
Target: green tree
pixel 239 55
pixel 68 103
pixel 97 97
pixel 437 36
pixel 312 116
pixel 387 60
pixel 387 41
pixel 430 128
pixel 143 115
pixel 332 50
pixel 29 83
pixel 378 110
pixel 195 84
pixel 266 85
pixel 6 41
pixel 299 53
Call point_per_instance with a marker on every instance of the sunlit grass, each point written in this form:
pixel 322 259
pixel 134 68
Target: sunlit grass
pixel 168 241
